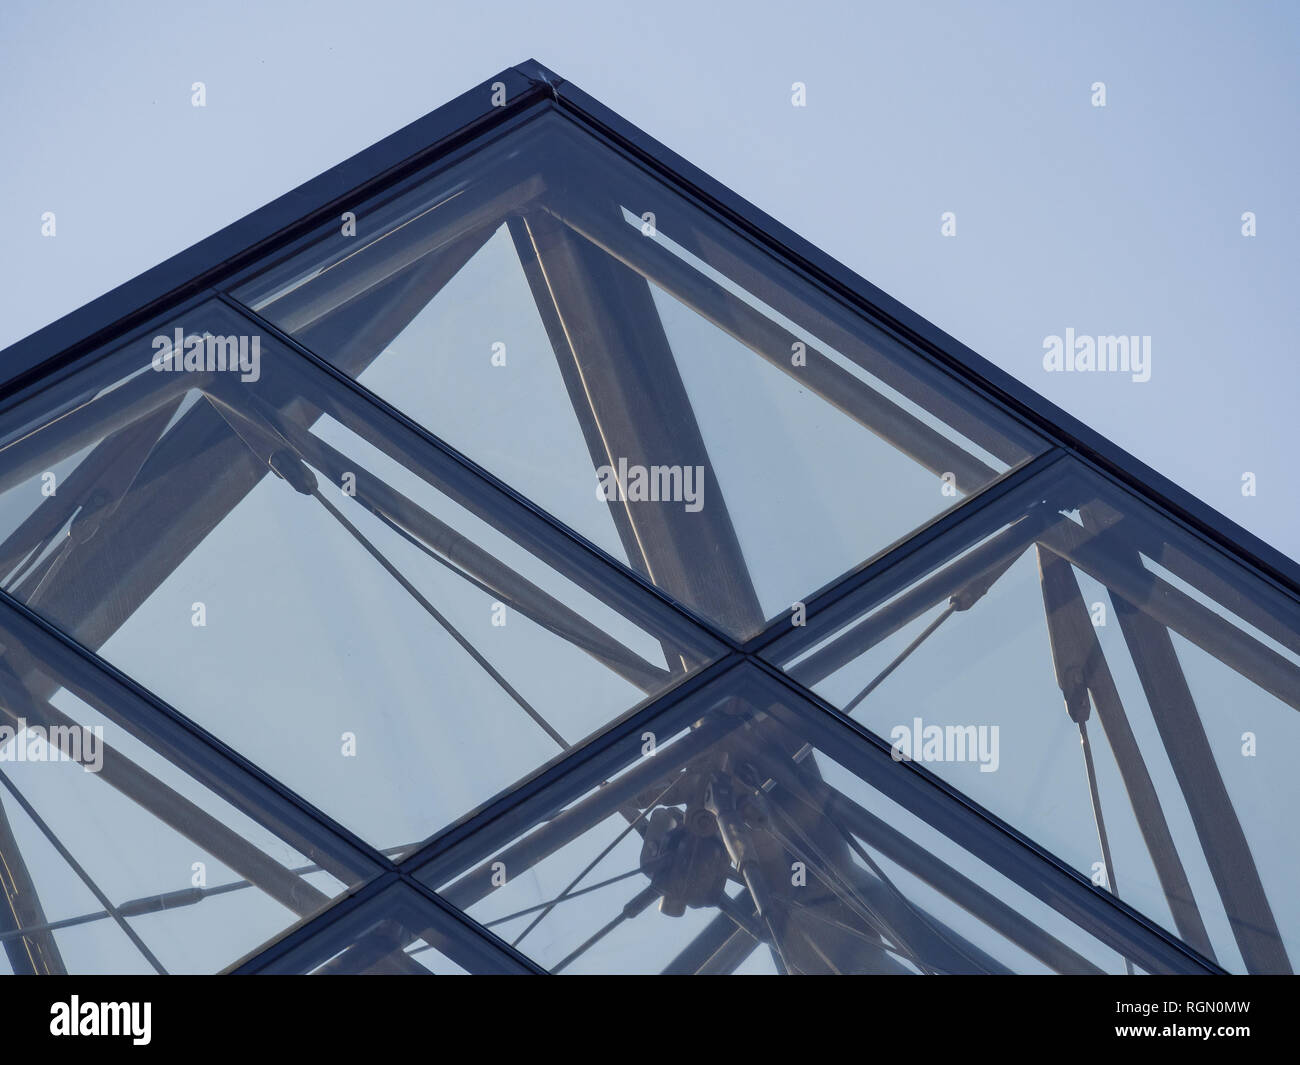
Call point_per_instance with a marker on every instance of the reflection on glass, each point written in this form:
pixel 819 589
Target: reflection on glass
pixel 749 832
pixel 352 610
pixel 635 367
pixel 1121 693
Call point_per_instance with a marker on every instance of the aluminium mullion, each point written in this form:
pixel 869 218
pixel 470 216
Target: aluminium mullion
pixel 557 831
pixel 469 930
pixel 458 124
pixel 272 449
pixel 379 952
pixel 368 953
pixel 805 675
pixel 229 471
pixel 281 260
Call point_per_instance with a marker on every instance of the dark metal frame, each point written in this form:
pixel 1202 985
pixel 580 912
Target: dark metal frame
pixel 206 271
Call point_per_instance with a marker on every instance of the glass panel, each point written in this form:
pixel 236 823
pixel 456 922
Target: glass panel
pixel 1114 688
pixel 370 623
pixel 638 369
pixel 397 933
pixel 114 858
pixel 747 831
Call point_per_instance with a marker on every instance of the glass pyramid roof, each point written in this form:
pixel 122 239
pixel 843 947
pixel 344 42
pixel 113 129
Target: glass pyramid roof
pixel 512 516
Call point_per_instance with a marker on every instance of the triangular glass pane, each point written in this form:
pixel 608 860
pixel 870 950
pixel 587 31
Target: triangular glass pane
pixel 654 380
pixel 447 371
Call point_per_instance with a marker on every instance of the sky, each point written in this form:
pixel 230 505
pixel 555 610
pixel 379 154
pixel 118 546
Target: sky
pixel 1124 219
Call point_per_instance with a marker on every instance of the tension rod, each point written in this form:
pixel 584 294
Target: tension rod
pixel 962 599
pixel 284 460
pixel 82 874
pixel 437 616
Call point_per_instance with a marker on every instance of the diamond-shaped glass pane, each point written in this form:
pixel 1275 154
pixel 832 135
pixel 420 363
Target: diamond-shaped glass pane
pixel 636 367
pixel 339 601
pixel 1119 691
